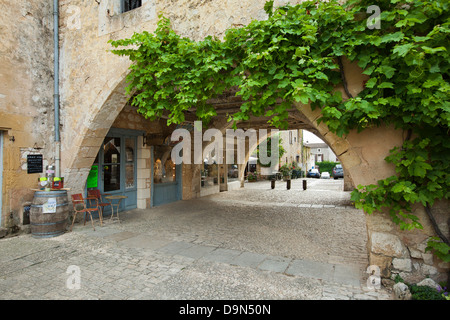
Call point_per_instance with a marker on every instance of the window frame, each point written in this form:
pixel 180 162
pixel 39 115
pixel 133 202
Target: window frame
pixel 125 3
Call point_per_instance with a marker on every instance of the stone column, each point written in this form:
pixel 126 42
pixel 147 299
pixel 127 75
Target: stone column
pixel 143 174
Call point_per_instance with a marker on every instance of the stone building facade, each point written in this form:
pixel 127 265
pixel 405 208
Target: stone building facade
pixel 98 127
pixel 292 144
pixel 26 100
pixel 321 152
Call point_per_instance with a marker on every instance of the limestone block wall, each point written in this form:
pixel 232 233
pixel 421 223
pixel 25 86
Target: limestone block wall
pixel 404 253
pixel 26 99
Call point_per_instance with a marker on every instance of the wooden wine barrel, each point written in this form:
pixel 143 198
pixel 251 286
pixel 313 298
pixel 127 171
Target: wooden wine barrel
pixel 49 213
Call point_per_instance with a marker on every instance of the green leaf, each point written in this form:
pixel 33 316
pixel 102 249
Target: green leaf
pixel 392 37
pixel 371 82
pixel 388 71
pixel 386 85
pixel 402 50
pixel 441 249
pixel 268 7
pixel 301 97
pixel 280 75
pixel 433 50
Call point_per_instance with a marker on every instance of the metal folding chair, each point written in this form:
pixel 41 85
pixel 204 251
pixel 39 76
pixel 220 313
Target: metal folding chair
pixel 96 194
pixel 80 206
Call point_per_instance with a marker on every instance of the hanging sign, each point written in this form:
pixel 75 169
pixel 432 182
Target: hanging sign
pixel 34 163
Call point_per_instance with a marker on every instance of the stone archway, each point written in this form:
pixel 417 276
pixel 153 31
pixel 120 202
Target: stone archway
pixel 100 81
pixel 81 144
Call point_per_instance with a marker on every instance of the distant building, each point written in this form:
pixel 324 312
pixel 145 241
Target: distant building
pixel 295 152
pixel 291 140
pixel 320 151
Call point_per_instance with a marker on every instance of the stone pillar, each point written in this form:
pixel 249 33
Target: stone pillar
pixel 223 174
pixel 223 170
pixel 144 169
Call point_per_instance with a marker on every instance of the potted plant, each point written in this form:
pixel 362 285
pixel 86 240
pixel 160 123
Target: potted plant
pixel 252 177
pixel 296 172
pixel 286 172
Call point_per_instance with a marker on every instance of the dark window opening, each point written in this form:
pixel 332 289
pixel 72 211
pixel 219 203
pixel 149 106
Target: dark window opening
pixel 128 5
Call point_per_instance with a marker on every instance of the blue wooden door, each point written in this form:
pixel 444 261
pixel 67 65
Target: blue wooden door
pixel 169 191
pixel 166 182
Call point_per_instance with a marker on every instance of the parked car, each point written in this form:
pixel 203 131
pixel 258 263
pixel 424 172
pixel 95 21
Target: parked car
pixel 338 171
pixel 325 175
pixel 313 173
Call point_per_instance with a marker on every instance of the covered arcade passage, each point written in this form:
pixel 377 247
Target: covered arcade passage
pixel 361 154
pixel 103 99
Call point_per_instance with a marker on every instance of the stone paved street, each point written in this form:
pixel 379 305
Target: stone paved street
pixel 253 243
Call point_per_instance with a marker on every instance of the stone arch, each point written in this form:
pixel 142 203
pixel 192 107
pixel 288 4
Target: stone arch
pixel 361 154
pixel 79 155
pixel 251 148
pixel 249 152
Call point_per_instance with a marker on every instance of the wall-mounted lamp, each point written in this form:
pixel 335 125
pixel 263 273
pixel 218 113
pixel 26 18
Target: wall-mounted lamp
pixel 12 139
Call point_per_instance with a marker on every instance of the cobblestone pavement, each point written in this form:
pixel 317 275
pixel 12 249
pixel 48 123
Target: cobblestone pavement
pixel 252 243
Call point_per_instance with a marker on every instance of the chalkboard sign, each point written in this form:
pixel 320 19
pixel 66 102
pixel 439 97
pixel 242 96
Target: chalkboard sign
pixel 34 163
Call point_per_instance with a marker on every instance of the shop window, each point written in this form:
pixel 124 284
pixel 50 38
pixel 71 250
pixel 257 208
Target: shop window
pixel 164 169
pixel 111 164
pixel 129 163
pixel 128 5
pixel 210 172
pixel 233 172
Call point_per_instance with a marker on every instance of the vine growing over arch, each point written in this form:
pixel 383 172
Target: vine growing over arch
pixel 295 56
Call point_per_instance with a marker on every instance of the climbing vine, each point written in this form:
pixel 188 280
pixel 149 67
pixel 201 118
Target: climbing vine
pixel 295 56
